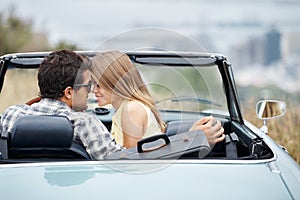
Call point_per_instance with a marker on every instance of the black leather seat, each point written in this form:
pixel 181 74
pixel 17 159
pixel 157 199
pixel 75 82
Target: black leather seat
pixel 44 136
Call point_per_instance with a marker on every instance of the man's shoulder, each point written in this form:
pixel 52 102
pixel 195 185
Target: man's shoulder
pixel 11 114
pixel 84 116
pixel 81 119
pixel 16 108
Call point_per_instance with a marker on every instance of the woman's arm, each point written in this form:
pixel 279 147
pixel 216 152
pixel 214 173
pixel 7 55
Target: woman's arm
pixel 134 122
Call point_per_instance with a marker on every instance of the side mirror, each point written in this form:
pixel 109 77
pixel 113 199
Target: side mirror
pixel 268 109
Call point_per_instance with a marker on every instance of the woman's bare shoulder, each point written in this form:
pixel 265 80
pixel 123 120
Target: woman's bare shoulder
pixel 134 107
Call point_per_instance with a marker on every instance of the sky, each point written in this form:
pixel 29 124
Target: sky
pixel 217 26
pixel 87 22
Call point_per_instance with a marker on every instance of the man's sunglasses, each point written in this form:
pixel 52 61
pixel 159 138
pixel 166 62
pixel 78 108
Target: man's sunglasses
pixel 88 86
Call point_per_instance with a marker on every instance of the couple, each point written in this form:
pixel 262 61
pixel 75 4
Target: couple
pixel 65 78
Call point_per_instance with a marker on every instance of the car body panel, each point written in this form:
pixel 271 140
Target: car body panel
pixel 288 168
pixel 145 180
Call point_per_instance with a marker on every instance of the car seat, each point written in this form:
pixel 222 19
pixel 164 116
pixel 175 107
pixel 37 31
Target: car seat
pixel 44 136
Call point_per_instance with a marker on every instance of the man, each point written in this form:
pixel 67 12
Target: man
pixel 64 81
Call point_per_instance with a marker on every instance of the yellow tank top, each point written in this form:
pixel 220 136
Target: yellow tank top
pixel 116 129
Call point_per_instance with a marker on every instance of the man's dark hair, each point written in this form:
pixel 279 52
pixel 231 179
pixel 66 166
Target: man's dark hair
pixel 59 70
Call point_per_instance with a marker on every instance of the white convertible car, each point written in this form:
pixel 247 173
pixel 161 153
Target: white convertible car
pixel 186 86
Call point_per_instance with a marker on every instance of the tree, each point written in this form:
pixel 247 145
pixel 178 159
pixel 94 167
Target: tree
pixel 14 32
pixel 17 35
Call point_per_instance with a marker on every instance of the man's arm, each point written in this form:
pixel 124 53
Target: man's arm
pixel 97 140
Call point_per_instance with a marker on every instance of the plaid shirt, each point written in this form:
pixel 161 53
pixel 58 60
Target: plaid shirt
pixel 87 129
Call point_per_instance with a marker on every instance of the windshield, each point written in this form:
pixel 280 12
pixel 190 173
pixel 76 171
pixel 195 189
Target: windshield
pixel 186 89
pixel 20 85
pixel 181 89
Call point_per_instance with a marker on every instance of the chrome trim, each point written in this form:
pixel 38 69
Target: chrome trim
pixel 130 162
pixel 273 167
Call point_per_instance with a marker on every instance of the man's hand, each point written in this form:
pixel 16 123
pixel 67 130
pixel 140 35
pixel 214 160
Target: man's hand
pixel 211 127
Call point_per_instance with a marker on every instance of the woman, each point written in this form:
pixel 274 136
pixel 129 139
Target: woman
pixel 118 82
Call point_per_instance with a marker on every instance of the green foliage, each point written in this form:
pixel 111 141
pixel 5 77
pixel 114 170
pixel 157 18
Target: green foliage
pixel 17 35
pixel 14 32
pixel 65 45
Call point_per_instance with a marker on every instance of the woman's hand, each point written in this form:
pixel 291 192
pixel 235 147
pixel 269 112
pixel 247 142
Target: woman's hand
pixel 211 127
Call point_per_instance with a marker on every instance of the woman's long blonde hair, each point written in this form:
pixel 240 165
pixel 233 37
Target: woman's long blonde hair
pixel 115 72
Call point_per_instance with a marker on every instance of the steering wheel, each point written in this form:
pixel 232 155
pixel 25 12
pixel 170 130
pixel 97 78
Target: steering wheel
pixel 34 100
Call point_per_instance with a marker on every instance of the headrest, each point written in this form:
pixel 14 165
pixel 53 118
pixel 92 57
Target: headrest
pixel 41 131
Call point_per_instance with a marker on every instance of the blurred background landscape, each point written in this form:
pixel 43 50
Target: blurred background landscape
pixel 261 39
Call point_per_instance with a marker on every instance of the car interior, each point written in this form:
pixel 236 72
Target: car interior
pixel 50 139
